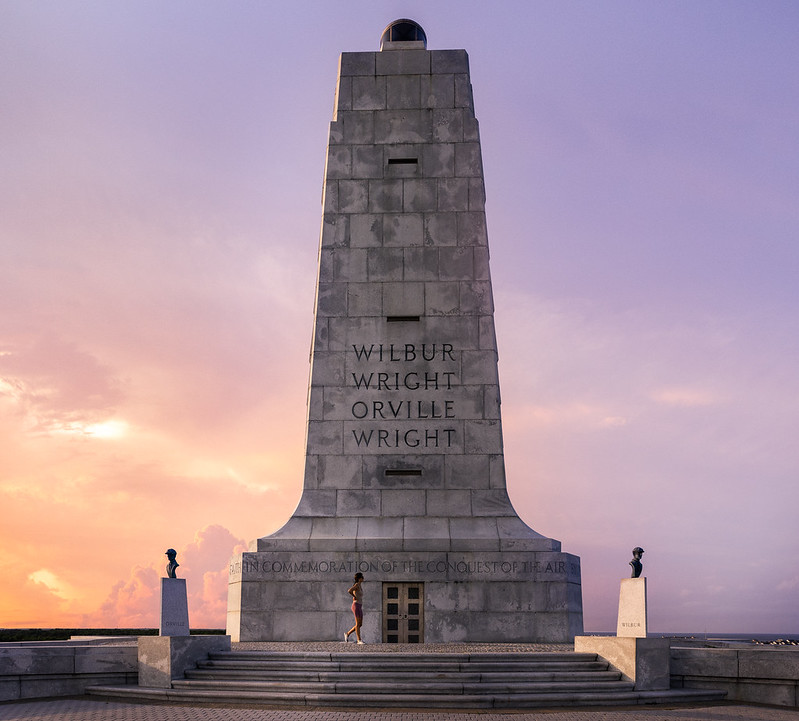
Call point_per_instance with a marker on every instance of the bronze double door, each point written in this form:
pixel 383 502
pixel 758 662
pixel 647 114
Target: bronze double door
pixel 403 612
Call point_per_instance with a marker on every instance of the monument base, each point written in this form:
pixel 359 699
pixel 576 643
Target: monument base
pixel 646 661
pixel 632 608
pixel 174 607
pixel 164 658
pixel 409 597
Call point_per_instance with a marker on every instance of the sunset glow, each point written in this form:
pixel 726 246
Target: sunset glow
pixel 160 179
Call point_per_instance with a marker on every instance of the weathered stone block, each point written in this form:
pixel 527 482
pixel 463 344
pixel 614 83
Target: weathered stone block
pixel 356 64
pixel 420 530
pixel 482 437
pixel 329 370
pixel 339 162
pixel 442 298
pixel 364 299
pixel 403 91
pixel 339 471
pixel 333 534
pixel 403 299
pixel 357 128
pixel 474 534
pixel 453 194
pixel 463 92
pixel 468 162
pixel 358 503
pixel 419 196
pixel 479 366
pixel 403 503
pixel 405 62
pixel 353 196
pixel 335 231
pixel 449 503
pixel 438 91
pixel 441 229
pixel 349 265
pixel 385 196
pixel 492 502
pixel 366 231
pixel 456 263
pixel 378 534
pixel 318 502
pixel 368 93
pixel 385 264
pixel 470 471
pixel 404 126
pixel 367 162
pixel 330 197
pixel 477 194
pixel 448 125
pixel 643 660
pixel 420 263
pixel 402 229
pixel 343 98
pixel 449 61
pixel 472 229
pixel 164 658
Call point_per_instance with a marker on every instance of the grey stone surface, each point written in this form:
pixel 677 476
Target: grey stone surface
pixel 164 658
pixel 174 616
pixel 646 661
pixel 405 470
pixel 632 608
pixel 748 674
pixel 40 669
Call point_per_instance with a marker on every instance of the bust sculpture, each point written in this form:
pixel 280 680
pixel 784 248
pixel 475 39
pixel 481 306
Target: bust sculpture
pixel 171 554
pixel 636 562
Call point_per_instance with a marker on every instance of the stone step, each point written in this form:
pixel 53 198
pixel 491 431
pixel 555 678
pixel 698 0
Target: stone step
pixel 406 701
pixel 422 680
pixel 396 687
pixel 428 666
pixel 245 672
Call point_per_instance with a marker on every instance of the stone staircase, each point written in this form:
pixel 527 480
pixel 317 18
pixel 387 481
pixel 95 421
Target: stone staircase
pixel 404 680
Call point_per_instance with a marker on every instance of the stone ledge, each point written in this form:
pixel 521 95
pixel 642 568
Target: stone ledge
pixel 752 675
pixel 645 661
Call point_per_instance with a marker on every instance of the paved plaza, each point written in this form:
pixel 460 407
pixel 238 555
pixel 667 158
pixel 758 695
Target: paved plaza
pixel 86 709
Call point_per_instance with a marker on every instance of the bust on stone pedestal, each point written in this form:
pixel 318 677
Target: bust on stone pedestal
pixel 174 600
pixel 632 601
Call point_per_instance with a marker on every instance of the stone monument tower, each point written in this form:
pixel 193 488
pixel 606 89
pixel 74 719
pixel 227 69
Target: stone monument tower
pixel 404 471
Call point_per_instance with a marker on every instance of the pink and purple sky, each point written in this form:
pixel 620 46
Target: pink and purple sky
pixel 160 179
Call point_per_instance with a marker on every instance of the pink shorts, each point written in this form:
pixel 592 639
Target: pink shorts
pixel 357 610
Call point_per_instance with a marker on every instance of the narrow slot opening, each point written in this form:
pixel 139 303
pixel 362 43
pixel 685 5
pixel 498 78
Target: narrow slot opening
pixel 403 471
pixel 402 318
pixel 403 161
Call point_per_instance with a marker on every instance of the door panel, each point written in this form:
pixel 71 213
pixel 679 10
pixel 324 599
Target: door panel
pixel 403 613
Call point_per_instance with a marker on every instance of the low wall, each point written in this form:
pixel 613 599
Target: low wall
pixel 751 675
pixel 64 668
pixel 645 661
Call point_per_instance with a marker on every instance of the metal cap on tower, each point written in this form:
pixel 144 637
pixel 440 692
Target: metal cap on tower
pixel 403 31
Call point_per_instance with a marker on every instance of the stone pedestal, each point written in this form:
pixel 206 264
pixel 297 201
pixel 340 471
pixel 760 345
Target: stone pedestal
pixel 164 658
pixel 174 607
pixel 632 608
pixel 646 661
pixel 405 473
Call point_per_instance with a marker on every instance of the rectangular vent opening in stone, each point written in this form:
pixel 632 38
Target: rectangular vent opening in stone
pixel 402 318
pixel 403 161
pixel 403 471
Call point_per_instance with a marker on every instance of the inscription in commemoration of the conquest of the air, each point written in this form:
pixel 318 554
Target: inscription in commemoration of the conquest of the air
pixel 403 398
